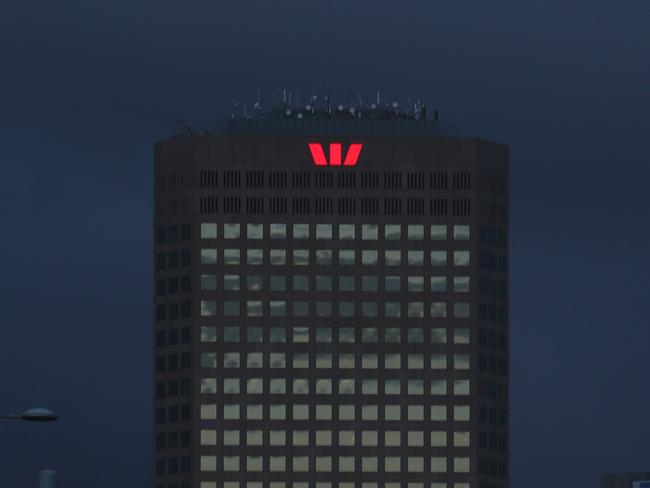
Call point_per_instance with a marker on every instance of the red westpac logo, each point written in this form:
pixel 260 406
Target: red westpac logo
pixel 335 153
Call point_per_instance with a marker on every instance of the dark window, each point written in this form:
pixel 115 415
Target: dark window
pixel 161 261
pixel 173 233
pixel 161 235
pixel 172 285
pixel 173 259
pixel 173 337
pixel 161 416
pixel 185 335
pixel 161 288
pixel 186 362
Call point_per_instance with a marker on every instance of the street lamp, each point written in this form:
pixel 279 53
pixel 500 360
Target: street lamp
pixel 33 415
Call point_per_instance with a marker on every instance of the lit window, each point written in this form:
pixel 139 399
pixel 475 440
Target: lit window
pixel 278 231
pixel 416 309
pixel 301 231
pixel 254 282
pixel 254 308
pixel 438 232
pixel 208 308
pixel 439 413
pixel 208 463
pixel 461 413
pixel 438 361
pixel 208 334
pixel 392 438
pixel 208 359
pixel 369 335
pixel 392 387
pixel 415 283
pixel 461 336
pixel 438 387
pixel 415 232
pixel 278 257
pixel 254 334
pixel 438 258
pixel 346 257
pixel 461 387
pixel 208 385
pixel 278 334
pixel 324 334
pixel 461 439
pixel 208 282
pixel 461 465
pixel 438 438
pixel 300 283
pixel 439 283
pixel 438 336
pixel 393 258
pixel 369 257
pixel 231 282
pixel 231 386
pixel 254 231
pixel 461 258
pixel 392 232
pixel 254 257
pixel 208 411
pixel 323 231
pixel 461 232
pixel 392 335
pixel 231 231
pixel 301 257
pixel 369 232
pixel 438 309
pixel 324 257
pixel 208 231
pixel 346 309
pixel 438 464
pixel 461 310
pixel 208 438
pixel 461 361
pixel 208 256
pixel 346 231
pixel 231 256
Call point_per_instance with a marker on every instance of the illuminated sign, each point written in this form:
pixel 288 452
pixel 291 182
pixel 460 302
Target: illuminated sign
pixel 336 154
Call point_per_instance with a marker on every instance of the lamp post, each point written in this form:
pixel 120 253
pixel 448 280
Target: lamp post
pixel 33 415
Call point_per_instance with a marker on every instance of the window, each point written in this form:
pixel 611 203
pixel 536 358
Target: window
pixel 301 231
pixel 369 232
pixel 392 232
pixel 208 231
pixel 461 258
pixel 439 283
pixel 208 256
pixel 254 231
pixel 461 232
pixel 231 282
pixel 415 232
pixel 208 282
pixel 346 231
pixel 438 232
pixel 278 231
pixel 438 258
pixel 393 258
pixel 231 231
pixel 324 231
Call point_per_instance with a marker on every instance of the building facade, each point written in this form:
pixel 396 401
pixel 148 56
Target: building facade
pixel 331 308
pixel 626 480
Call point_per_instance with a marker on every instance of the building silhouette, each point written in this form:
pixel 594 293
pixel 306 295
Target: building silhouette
pixel 330 321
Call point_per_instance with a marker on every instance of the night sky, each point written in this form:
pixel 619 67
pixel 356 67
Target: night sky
pixel 87 87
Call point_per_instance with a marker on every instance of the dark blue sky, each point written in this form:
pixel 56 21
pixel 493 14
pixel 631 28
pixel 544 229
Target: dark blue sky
pixel 87 87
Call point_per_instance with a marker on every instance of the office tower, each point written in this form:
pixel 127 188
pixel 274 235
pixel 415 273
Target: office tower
pixel 331 305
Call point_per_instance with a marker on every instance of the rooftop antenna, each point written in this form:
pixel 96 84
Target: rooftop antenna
pixel 378 98
pixel 284 96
